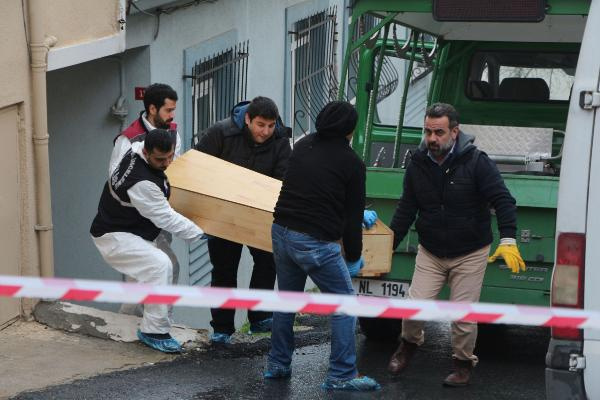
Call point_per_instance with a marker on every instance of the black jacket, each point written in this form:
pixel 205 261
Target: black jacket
pixel 231 141
pixel 453 201
pixel 115 212
pixel 323 192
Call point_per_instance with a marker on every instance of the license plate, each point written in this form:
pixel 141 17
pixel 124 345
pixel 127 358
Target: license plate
pixel 372 287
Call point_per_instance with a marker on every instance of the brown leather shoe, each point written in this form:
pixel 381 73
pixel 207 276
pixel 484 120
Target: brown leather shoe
pixel 461 374
pixel 402 356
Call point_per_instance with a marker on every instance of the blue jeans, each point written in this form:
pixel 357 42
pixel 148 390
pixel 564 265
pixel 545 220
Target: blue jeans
pixel 297 256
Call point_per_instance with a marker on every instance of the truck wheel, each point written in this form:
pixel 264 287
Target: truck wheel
pixel 380 329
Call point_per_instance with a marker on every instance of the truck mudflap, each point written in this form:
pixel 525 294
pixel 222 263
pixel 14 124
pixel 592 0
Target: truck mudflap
pixel 564 384
pixel 562 380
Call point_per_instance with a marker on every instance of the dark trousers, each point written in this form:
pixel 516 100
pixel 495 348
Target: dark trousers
pixel 225 258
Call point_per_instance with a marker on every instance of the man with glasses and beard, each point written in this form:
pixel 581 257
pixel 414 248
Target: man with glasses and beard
pixel 452 186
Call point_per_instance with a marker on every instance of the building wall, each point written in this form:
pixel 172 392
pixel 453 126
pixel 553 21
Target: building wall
pixel 9 202
pixel 83 30
pixel 73 22
pixel 261 22
pixel 14 70
pixel 17 206
pixel 82 130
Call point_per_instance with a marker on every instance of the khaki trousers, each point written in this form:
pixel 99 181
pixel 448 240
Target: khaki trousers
pixel 464 275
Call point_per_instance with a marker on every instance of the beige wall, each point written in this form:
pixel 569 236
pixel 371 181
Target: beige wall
pixel 17 206
pixel 9 203
pixel 78 21
pixel 14 62
pixel 72 22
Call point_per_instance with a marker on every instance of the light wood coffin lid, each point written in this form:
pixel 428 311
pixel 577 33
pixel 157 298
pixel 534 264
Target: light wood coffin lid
pixel 195 177
pixel 202 173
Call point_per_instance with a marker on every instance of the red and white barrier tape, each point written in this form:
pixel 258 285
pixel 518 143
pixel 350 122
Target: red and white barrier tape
pixel 314 303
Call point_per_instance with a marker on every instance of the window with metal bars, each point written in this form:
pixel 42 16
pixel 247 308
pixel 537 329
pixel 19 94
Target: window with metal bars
pixel 314 72
pixel 219 82
pixel 388 82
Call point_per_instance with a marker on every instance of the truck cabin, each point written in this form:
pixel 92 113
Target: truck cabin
pixel 510 81
pixel 508 67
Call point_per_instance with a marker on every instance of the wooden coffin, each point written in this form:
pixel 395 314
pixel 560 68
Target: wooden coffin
pixel 377 250
pixel 237 204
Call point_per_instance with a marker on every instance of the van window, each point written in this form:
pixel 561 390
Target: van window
pixel 521 76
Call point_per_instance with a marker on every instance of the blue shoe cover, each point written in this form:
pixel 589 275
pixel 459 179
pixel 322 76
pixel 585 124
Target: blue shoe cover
pixel 358 384
pixel 275 371
pixel 165 345
pixel 221 338
pixel 261 326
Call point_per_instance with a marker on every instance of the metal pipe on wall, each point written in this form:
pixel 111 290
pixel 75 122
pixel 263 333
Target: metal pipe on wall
pixel 39 46
pixel 119 108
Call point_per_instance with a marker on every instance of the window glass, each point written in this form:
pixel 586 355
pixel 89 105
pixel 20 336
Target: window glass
pixel 521 76
pixel 558 81
pixel 391 90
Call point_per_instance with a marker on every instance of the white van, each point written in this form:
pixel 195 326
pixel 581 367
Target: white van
pixel 573 358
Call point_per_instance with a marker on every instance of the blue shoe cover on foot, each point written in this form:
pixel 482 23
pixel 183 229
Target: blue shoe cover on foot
pixel 165 345
pixel 358 384
pixel 261 326
pixel 221 338
pixel 274 371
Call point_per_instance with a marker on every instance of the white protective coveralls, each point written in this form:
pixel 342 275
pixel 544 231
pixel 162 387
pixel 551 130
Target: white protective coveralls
pixel 141 259
pixel 163 241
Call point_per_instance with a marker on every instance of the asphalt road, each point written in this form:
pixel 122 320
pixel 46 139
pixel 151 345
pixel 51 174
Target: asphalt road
pixel 511 367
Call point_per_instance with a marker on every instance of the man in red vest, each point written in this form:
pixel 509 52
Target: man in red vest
pixel 160 101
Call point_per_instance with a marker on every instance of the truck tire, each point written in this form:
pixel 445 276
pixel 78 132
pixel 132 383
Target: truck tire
pixel 380 329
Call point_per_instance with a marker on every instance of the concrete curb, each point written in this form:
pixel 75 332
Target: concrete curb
pixel 108 325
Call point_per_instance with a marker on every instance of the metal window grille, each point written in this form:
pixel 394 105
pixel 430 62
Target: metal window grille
pixel 219 82
pixel 314 72
pixel 388 82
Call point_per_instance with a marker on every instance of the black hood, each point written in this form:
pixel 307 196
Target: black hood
pixel 336 119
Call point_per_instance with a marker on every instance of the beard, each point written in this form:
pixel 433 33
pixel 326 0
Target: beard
pixel 161 123
pixel 440 151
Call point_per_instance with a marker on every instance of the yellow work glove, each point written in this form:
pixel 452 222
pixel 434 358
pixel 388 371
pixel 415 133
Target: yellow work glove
pixel 508 250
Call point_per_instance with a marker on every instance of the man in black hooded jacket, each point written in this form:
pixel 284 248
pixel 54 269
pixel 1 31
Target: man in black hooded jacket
pixel 321 203
pixel 254 138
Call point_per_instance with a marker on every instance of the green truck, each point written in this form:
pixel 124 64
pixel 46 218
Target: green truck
pixel 509 70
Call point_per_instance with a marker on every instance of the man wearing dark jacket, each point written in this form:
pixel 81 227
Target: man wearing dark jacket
pixel 253 138
pixel 451 185
pixel 321 203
